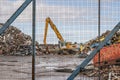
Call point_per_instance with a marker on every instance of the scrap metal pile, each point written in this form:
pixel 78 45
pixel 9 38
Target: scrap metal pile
pixel 15 42
pixel 93 43
pixel 110 53
pixel 111 72
pixel 109 58
pixel 114 39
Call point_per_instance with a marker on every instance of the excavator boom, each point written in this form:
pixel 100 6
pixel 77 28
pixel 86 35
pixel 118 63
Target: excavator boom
pixel 53 26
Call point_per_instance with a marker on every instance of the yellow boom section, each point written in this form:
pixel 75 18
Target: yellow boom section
pixel 53 26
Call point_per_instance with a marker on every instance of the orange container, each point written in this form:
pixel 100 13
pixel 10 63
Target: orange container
pixel 1 52
pixel 108 54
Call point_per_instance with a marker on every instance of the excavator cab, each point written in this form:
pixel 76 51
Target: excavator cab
pixel 62 44
pixel 66 45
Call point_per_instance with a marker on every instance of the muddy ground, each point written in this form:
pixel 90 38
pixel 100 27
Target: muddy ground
pixel 19 67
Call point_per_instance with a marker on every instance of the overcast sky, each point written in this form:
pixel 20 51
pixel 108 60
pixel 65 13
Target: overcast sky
pixel 76 20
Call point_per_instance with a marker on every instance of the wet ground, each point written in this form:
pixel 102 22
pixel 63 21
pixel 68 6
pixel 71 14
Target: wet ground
pixel 19 67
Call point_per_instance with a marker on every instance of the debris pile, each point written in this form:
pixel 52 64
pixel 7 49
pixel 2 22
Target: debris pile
pixel 94 42
pixel 109 58
pixel 15 42
pixel 110 72
pixel 114 39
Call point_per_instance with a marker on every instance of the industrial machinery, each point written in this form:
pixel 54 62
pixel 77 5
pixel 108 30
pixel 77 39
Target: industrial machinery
pixel 64 47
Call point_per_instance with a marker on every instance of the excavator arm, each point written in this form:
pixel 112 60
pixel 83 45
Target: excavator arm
pixel 53 26
pixel 63 45
pixel 46 30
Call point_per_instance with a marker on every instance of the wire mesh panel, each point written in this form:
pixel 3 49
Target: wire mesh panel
pixel 69 17
pixel 66 33
pixel 15 42
pixel 77 22
pixel 109 19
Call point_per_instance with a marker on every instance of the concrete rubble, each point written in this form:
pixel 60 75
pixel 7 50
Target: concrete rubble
pixel 15 42
pixel 114 39
pixel 95 42
pixel 107 72
pixel 111 72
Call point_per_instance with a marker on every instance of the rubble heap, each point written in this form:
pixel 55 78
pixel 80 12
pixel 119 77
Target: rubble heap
pixel 109 69
pixel 14 42
pixel 109 72
pixel 114 40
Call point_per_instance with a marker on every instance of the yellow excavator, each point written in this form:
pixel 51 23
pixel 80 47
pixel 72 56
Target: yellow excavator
pixel 64 47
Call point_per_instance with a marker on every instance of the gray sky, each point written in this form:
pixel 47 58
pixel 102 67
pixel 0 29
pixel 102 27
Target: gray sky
pixel 75 19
